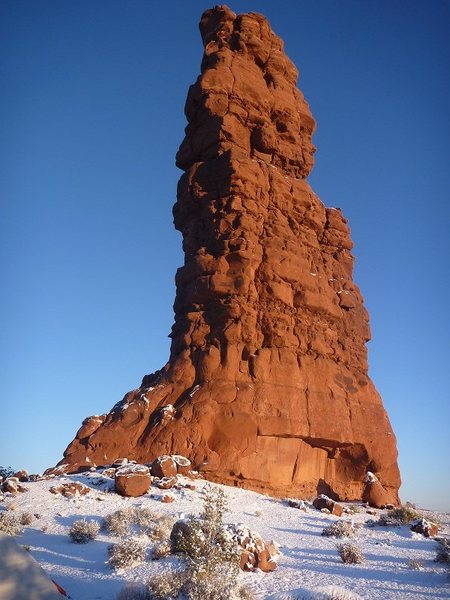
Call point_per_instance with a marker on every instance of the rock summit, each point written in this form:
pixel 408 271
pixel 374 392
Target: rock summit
pixel 267 383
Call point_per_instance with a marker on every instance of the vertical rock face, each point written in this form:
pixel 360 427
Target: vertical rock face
pixel 267 384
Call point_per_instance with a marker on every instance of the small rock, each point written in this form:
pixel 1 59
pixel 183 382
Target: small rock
pixel 166 483
pixel 70 490
pixel 426 528
pixel 167 498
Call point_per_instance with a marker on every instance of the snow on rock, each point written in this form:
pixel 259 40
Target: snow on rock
pixel 183 464
pixel 256 553
pixel 132 480
pixel 323 502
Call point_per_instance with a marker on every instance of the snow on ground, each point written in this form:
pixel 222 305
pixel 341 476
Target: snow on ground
pixel 308 559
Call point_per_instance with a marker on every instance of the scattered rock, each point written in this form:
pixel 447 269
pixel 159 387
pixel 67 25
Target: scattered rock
pixel 109 472
pixel 69 490
pixel 297 504
pixel 323 501
pixel 167 498
pixel 22 476
pixel 166 483
pixel 374 493
pixel 132 480
pixel 182 463
pixel 164 466
pixel 256 553
pixel 425 527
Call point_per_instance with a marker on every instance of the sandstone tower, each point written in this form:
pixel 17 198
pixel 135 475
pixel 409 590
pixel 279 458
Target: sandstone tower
pixel 267 383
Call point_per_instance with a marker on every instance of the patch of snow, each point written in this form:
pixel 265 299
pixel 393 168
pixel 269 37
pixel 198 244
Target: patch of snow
pixel 309 561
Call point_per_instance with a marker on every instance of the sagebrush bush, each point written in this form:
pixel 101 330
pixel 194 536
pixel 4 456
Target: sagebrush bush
pixel 83 531
pixel 143 516
pixel 212 556
pixel 137 521
pixel 6 472
pixel 339 529
pixel 204 539
pixel 118 523
pixel 133 592
pixel 332 592
pixel 443 551
pixel 350 553
pixel 415 563
pixel 165 586
pixel 161 550
pixel 215 586
pixel 400 515
pixel 26 518
pixel 10 524
pixel 127 553
pixel 160 529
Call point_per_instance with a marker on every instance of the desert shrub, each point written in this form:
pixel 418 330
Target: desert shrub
pixel 83 531
pixel 443 551
pixel 212 556
pixel 329 592
pixel 132 591
pixel 165 586
pixel 118 523
pixel 218 585
pixel 161 550
pixel 350 553
pixel 143 516
pixel 204 540
pixel 127 553
pixel 339 529
pixel 7 472
pixel 138 521
pixel 415 563
pixel 353 509
pixel 26 518
pixel 401 515
pixel 10 524
pixel 160 529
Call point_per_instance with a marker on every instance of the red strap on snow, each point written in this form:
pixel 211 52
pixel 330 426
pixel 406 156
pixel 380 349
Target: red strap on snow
pixel 60 589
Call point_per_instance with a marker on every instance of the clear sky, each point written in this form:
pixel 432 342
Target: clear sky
pixel 91 116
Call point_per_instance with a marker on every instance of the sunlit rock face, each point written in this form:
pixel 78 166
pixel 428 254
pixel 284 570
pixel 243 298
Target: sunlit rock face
pixel 267 383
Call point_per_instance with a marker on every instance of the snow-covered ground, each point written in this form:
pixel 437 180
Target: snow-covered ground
pixel 308 559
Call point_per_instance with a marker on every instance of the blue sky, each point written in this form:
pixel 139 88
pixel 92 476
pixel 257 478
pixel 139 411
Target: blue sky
pixel 91 115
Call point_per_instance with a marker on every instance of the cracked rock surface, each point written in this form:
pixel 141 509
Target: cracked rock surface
pixel 267 383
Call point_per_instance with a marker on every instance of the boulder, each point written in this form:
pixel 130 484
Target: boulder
pixel 374 493
pixel 182 463
pixel 164 466
pixel 322 503
pixel 132 480
pixel 22 476
pixel 425 527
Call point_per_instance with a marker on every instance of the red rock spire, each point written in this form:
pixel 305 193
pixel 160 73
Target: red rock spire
pixel 267 384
